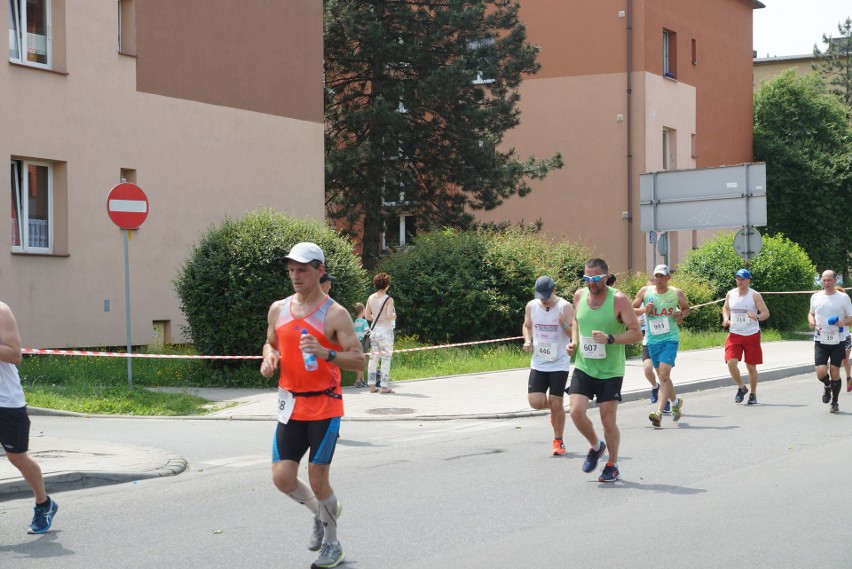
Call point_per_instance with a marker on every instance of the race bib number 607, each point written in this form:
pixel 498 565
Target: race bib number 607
pixel 592 350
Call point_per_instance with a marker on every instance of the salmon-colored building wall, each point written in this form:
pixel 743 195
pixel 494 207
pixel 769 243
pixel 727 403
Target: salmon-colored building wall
pixel 578 105
pixel 199 149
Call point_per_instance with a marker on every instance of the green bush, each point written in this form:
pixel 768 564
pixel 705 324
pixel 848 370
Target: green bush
pixel 238 269
pixel 781 265
pixel 463 286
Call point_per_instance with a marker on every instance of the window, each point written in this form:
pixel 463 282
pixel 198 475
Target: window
pixel 399 231
pixel 669 149
pixel 127 27
pixel 29 32
pixel 694 52
pixel 669 54
pixel 483 51
pixel 32 206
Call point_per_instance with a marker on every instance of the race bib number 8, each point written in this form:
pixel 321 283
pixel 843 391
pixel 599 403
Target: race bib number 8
pixel 592 350
pixel 545 351
pixel 286 403
pixel 659 326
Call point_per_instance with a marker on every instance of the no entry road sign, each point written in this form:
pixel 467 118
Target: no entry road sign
pixel 127 206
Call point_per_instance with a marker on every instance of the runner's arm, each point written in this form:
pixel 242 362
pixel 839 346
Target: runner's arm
pixel 638 309
pixel 351 354
pixel 726 311
pixel 762 311
pixel 526 329
pixel 566 319
pixel 575 328
pixel 271 354
pixel 627 315
pixel 10 338
pixel 683 304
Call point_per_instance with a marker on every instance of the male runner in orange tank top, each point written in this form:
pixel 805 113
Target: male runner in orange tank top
pixel 310 403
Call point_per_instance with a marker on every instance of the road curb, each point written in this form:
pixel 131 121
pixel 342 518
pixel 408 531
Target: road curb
pixel 78 480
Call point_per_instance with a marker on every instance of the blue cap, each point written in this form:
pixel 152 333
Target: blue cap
pixel 744 274
pixel 544 286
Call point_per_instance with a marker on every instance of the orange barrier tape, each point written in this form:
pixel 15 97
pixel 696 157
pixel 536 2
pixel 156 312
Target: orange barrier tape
pixel 131 355
pixel 36 351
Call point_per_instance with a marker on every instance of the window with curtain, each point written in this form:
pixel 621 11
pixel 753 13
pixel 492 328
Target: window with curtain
pixel 29 32
pixel 32 206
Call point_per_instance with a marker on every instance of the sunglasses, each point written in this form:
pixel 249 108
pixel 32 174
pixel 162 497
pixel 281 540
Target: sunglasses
pixel 594 279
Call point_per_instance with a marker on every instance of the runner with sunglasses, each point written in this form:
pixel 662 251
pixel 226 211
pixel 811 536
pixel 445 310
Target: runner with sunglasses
pixel 603 323
pixel 665 308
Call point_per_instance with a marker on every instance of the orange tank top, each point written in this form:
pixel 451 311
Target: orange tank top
pixel 294 377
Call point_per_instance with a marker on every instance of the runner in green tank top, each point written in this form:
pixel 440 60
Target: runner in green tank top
pixel 665 308
pixel 603 323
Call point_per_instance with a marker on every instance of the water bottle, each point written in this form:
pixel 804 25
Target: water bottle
pixel 310 359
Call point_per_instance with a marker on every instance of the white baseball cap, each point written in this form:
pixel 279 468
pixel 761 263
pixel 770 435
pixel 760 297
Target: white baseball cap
pixel 305 252
pixel 662 270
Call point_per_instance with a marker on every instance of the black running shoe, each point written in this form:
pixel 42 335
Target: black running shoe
pixel 835 408
pixel 591 461
pixel 741 393
pixel 752 399
pixel 826 395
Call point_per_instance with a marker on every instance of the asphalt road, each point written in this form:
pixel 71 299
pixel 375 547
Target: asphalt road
pixel 727 486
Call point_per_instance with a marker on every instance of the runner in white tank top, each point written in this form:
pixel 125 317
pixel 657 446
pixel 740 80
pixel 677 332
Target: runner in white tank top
pixel 547 331
pixel 742 313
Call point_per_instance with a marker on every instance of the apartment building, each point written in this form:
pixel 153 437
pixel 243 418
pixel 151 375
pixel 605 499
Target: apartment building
pixel 627 87
pixel 213 109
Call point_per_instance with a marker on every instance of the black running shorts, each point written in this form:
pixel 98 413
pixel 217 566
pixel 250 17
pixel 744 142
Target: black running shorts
pixel 14 429
pixel 541 381
pixel 603 389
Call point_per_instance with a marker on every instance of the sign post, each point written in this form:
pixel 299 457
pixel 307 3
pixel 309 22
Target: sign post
pixel 127 207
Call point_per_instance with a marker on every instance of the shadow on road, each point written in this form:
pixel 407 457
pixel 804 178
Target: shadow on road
pixel 666 488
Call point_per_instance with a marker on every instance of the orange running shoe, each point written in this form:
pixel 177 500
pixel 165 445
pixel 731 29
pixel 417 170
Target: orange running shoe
pixel 558 447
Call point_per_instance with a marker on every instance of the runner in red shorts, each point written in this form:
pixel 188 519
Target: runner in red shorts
pixel 742 313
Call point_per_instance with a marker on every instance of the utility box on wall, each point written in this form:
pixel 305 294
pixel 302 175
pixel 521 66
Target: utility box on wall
pixel 161 334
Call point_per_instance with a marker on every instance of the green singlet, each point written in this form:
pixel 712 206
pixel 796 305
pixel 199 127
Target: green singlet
pixel 588 354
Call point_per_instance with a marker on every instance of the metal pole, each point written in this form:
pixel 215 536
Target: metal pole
pixel 654 220
pixel 748 221
pixel 127 307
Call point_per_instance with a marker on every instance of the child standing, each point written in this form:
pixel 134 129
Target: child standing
pixel 361 327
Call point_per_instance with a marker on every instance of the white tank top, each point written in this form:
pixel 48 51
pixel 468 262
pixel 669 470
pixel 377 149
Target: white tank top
pixel 549 341
pixel 740 306
pixel 11 393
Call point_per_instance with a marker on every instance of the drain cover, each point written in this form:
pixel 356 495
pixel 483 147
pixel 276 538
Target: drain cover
pixel 390 411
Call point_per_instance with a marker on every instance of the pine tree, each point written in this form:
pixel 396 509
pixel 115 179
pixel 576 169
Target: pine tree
pixel 418 97
pixel 836 67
